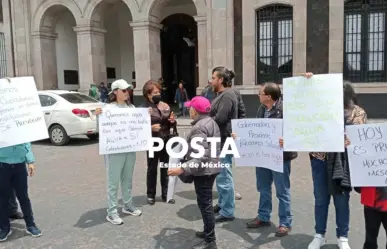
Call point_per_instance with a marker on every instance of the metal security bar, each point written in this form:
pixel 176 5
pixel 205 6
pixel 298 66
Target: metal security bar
pixel 275 43
pixel 3 58
pixel 364 41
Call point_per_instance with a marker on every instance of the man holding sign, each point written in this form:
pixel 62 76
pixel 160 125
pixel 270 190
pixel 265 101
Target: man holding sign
pixel 270 97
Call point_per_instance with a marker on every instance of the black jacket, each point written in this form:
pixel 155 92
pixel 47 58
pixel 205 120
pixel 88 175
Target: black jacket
pixel 241 104
pixel 224 108
pixel 276 112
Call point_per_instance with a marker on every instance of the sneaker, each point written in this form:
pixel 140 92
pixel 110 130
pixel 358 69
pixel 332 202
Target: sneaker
pixel 115 219
pixel 342 242
pixel 34 231
pixel 131 210
pixel 257 223
pixel 317 242
pixel 4 235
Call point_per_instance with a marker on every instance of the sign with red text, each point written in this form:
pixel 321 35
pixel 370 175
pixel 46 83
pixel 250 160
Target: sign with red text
pixel 367 154
pixel 257 140
pixel 21 115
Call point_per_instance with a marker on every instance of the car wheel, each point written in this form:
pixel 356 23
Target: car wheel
pixel 93 136
pixel 58 135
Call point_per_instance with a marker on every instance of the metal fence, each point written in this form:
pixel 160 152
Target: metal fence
pixel 274 43
pixel 364 41
pixel 3 58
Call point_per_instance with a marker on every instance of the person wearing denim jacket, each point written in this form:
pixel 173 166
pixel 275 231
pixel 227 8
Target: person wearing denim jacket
pixel 13 177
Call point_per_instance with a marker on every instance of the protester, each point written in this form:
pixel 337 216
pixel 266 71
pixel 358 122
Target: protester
pixel 119 166
pixel 270 97
pixel 204 177
pixel 181 96
pixel 13 177
pixel 14 214
pixel 162 120
pixel 241 114
pixel 324 186
pixel 224 108
pixel 104 92
pixel 208 92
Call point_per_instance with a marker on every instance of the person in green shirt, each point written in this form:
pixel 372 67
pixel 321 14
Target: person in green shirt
pixel 94 92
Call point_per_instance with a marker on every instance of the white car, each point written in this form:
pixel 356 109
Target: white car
pixel 69 114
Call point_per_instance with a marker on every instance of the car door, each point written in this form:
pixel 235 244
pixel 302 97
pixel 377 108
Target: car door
pixel 48 104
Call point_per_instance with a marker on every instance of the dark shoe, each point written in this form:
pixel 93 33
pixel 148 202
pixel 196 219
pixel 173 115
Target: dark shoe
pixel 257 223
pixel 16 216
pixel 205 245
pixel 220 218
pixel 282 231
pixel 151 201
pixel 34 231
pixel 216 209
pixel 4 235
pixel 171 201
pixel 200 235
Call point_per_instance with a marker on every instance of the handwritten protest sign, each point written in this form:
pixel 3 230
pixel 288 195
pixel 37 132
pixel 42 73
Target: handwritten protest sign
pixel 124 130
pixel 21 115
pixel 367 154
pixel 313 113
pixel 258 143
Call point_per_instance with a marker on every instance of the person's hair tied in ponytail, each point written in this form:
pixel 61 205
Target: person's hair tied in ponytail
pixel 226 74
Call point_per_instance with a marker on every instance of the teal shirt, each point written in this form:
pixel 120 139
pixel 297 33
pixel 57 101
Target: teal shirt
pixel 21 153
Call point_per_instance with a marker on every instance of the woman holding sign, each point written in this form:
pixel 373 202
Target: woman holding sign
pixel 324 186
pixel 119 166
pixel 162 120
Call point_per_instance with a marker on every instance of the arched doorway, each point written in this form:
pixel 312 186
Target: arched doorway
pixel 114 16
pixel 58 48
pixel 179 54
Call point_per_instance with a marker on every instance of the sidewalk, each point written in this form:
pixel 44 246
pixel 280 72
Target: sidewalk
pixel 185 122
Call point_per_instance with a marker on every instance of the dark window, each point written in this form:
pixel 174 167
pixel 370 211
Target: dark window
pixel 78 98
pixel 364 41
pixel 275 43
pixel 71 77
pixel 46 100
pixel 110 72
pixel 1 11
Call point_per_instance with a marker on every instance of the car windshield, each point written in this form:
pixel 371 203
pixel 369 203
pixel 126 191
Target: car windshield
pixel 77 98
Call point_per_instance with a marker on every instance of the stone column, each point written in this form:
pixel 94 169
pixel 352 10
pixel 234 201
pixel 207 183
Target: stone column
pixel 44 60
pixel 91 56
pixel 147 52
pixel 202 52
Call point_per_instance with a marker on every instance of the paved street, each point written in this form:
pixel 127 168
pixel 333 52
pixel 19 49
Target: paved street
pixel 69 201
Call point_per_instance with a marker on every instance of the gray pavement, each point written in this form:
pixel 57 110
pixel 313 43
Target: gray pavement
pixel 68 195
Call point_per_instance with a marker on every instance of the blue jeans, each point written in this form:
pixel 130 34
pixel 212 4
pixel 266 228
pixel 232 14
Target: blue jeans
pixel 225 187
pixel 322 199
pixel 13 177
pixel 265 178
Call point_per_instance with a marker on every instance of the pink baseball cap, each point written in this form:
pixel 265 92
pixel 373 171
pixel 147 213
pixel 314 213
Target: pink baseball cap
pixel 200 104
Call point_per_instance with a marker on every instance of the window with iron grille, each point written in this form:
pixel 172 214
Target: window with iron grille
pixel 364 41
pixel 275 43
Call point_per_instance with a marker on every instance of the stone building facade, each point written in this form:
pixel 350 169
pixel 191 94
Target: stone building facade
pixel 262 40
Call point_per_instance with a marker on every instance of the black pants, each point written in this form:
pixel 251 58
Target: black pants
pixel 13 177
pixel 151 180
pixel 203 188
pixel 373 219
pixel 12 203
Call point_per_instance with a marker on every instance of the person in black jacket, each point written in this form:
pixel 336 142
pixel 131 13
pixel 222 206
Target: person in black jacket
pixel 270 97
pixel 224 108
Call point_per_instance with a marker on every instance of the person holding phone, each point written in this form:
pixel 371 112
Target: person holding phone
pixel 162 120
pixel 119 166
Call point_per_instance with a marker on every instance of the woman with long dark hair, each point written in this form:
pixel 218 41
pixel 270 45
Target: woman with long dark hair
pixel 324 187
pixel 162 120
pixel 120 166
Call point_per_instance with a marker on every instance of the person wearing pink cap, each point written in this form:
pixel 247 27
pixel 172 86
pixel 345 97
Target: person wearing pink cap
pixel 205 169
